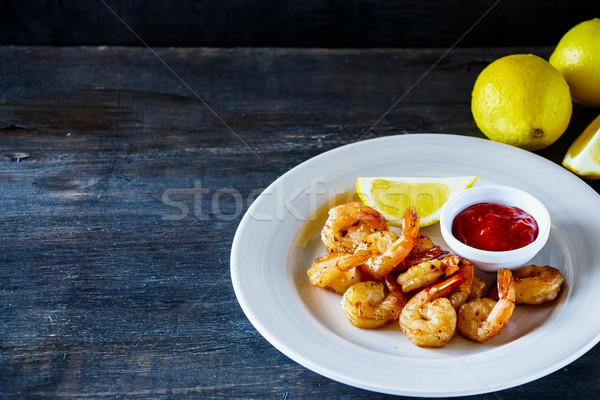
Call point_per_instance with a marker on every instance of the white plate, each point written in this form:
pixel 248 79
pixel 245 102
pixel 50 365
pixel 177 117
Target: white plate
pixel 277 240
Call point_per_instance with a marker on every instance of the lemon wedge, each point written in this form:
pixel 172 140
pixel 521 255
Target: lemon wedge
pixel 583 157
pixel 391 196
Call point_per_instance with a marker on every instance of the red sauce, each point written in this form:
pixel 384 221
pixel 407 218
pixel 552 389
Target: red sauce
pixel 494 227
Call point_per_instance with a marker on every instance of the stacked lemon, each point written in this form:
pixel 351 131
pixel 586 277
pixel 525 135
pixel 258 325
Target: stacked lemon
pixel 577 57
pixel 525 101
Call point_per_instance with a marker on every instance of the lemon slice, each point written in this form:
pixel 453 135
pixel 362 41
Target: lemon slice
pixel 391 196
pixel 583 157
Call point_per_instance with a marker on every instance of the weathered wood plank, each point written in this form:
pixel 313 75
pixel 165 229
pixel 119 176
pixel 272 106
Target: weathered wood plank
pixel 115 278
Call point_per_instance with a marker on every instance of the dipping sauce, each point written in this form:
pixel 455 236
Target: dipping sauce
pixel 494 227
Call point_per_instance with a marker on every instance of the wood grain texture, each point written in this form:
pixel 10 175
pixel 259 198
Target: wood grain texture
pixel 125 174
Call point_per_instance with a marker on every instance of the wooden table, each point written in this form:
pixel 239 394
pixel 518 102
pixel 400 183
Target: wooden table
pixel 125 172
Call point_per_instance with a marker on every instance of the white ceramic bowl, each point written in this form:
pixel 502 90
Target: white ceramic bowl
pixel 491 261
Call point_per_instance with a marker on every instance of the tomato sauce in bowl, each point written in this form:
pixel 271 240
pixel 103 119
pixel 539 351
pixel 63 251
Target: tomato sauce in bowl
pixel 494 227
pixel 493 240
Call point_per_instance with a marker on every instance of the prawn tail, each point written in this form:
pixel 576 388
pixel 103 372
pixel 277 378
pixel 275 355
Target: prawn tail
pixel 504 308
pixel 395 290
pixel 325 269
pixel 445 287
pixel 506 285
pixel 410 223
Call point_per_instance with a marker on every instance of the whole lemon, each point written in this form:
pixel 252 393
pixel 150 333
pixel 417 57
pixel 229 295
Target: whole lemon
pixel 521 100
pixel 577 57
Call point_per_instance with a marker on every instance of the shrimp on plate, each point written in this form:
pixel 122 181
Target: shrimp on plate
pixel 377 254
pixel 483 318
pixel 337 271
pixel 377 243
pixel 367 306
pixel 426 273
pixel 382 263
pixel 377 270
pixel 535 284
pixel 428 319
pixel 423 250
pixel 478 289
pixel 348 224
pixel 467 270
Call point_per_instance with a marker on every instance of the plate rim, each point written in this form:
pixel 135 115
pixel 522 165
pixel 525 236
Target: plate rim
pixel 306 361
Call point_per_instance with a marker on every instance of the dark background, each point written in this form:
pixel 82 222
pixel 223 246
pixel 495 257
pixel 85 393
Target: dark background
pixel 292 23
